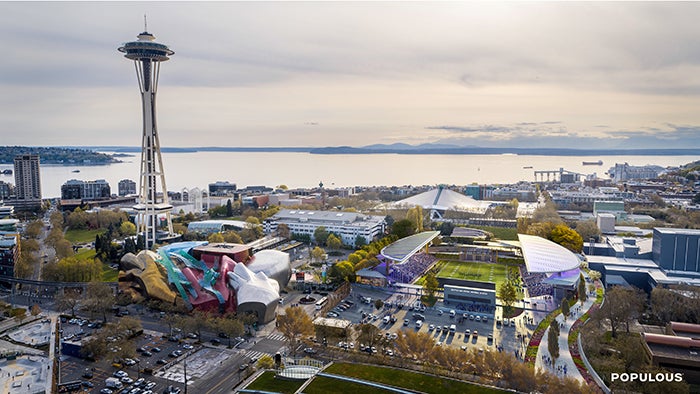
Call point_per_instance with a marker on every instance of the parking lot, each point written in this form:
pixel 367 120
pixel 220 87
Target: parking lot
pixel 402 311
pixel 155 352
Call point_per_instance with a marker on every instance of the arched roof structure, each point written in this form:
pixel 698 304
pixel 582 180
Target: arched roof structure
pixel 403 249
pixel 543 255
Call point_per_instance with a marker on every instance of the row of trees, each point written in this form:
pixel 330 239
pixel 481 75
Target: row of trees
pixel 361 258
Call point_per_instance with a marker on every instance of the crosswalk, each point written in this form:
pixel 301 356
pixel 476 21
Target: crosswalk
pixel 255 355
pixel 277 337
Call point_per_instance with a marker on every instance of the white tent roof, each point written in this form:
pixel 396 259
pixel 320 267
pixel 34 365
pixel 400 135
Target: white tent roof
pixel 543 255
pixel 442 199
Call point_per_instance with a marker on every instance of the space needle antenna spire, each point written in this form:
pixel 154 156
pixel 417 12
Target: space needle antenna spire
pixel 153 205
pixel 145 23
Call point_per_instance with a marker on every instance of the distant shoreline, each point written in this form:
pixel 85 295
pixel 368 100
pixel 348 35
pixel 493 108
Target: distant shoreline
pixel 345 150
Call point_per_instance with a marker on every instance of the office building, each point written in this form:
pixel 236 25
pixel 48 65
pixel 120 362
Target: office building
pixel 27 183
pixel 677 249
pixel 347 225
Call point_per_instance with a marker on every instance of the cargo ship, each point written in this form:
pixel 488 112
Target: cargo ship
pixel 593 163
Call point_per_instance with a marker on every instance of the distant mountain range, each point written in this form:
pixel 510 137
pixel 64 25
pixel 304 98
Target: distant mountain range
pixel 422 149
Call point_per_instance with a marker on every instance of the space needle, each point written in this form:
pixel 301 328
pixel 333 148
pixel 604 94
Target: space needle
pixel 153 194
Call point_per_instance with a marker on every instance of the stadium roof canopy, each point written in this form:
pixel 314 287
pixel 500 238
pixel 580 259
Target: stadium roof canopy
pixel 216 226
pixel 403 249
pixel 543 255
pixel 440 200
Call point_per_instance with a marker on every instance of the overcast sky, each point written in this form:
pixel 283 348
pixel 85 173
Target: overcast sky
pixel 325 74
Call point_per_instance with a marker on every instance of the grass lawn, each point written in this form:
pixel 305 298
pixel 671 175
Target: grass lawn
pixel 508 234
pixel 79 236
pixel 482 272
pixel 402 378
pixel 108 274
pixel 268 382
pixel 324 385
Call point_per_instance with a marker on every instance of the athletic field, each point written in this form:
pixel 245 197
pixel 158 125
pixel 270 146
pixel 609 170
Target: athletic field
pixel 482 272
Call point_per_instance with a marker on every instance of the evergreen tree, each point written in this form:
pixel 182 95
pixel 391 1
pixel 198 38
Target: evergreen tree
pixel 565 309
pixel 582 295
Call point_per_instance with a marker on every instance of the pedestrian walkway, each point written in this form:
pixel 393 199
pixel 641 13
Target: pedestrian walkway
pixel 564 364
pixel 277 337
pixel 255 355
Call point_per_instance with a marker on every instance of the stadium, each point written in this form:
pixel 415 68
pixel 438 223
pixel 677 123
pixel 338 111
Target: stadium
pixel 471 277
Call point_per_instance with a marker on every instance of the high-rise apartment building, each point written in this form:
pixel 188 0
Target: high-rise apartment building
pixel 126 187
pixel 27 182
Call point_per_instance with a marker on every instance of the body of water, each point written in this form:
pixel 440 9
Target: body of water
pixel 189 170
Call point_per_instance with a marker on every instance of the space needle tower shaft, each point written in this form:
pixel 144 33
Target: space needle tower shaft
pixel 153 194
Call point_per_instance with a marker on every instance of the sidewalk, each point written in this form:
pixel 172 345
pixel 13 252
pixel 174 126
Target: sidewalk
pixel 564 360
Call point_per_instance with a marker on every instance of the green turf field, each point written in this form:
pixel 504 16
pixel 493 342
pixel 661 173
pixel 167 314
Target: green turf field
pixel 482 272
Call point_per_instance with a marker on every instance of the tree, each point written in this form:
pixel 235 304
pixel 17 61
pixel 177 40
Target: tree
pixel 378 303
pixel 553 339
pixel 230 326
pixel 367 334
pixel 565 309
pixel 403 228
pixel 283 230
pixel 446 228
pixel 334 242
pixel 64 249
pixel 414 345
pixel 588 229
pixel 295 324
pixel 232 237
pixel 415 215
pixel 35 310
pixel 99 298
pixel 69 299
pixel 127 229
pixel 582 295
pixel 215 238
pixel 33 229
pixel 265 362
pixel 229 208
pixel 508 294
pixel 342 272
pixel 360 241
pixel 621 306
pixel 317 254
pixel 430 285
pixel 321 235
pixel 567 238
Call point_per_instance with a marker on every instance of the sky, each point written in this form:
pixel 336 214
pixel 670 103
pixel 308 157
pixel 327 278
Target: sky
pixel 492 74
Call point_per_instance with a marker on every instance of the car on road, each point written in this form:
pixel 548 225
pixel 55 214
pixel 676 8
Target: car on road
pixel 215 341
pixel 478 318
pixel 161 362
pixel 87 384
pixel 150 385
pixel 310 350
pixel 106 391
pixel 243 367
